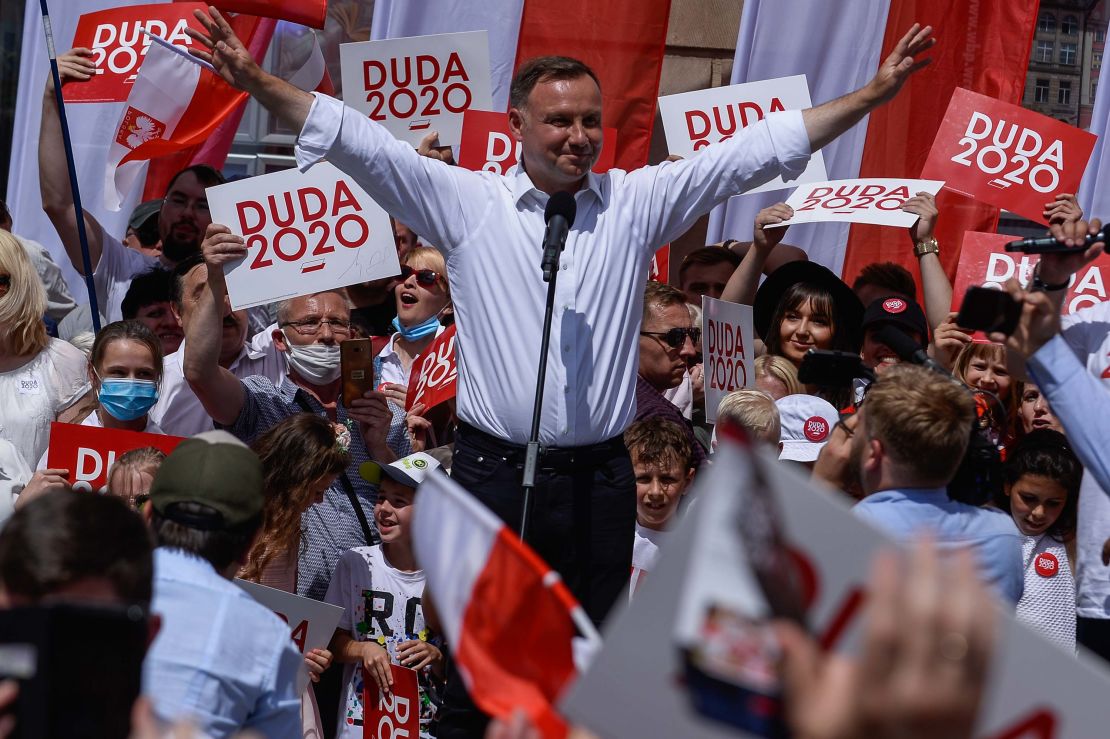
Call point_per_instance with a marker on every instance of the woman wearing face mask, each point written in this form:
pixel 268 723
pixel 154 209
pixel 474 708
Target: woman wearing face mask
pixel 422 297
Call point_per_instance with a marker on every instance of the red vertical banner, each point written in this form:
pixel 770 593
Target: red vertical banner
pixel 622 41
pixel 982 46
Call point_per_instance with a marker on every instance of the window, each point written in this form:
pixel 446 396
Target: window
pixel 1046 23
pixel 1067 53
pixel 1100 36
pixel 1096 59
pixel 1094 89
pixel 1063 94
pixel 1069 26
pixel 1040 92
pixel 1044 51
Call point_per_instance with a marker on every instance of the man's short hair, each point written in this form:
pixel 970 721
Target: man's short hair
pixel 285 306
pixel 891 277
pixel 754 410
pixel 206 175
pixel 659 441
pixel 545 69
pixel 923 420
pixel 155 286
pixel 63 537
pixel 179 272
pixel 658 295
pixel 709 256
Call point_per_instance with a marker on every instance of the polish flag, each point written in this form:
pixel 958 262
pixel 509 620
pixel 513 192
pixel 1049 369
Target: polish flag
pixel 305 12
pixel 981 46
pixel 175 102
pixel 509 619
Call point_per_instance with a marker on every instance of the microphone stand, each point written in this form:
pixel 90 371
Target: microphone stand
pixel 550 266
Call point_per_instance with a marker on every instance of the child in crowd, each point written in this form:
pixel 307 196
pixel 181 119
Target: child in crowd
pixel 754 410
pixel 777 376
pixel 380 587
pixel 663 462
pixel 132 473
pixel 1041 490
pixel 983 367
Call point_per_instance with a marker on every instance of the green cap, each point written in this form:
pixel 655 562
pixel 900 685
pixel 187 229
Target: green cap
pixel 216 470
pixel 142 212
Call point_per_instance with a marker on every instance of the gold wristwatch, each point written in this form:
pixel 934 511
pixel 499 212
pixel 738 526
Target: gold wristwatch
pixel 928 246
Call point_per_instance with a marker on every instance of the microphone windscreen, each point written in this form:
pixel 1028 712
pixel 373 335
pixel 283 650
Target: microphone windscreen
pixel 560 204
pixel 899 342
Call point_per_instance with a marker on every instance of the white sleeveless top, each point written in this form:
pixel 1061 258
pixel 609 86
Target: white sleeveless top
pixel 1048 603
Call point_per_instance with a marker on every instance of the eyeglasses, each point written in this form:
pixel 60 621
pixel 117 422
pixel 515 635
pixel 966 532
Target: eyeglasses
pixel 844 427
pixel 676 337
pixel 311 327
pixel 425 277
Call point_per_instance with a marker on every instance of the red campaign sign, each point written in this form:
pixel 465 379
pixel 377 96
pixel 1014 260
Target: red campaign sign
pixel 395 715
pixel 434 373
pixel 984 261
pixel 1005 155
pixel 487 144
pixel 119 45
pixel 88 452
pixel 660 264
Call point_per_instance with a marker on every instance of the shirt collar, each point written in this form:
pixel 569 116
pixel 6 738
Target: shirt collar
pixel 522 185
pixel 915 494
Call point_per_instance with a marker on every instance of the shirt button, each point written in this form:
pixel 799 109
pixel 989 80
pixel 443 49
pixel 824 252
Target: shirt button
pixel 566 347
pixel 565 266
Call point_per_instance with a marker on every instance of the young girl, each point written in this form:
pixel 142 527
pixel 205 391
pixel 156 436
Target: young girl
pixel 1041 490
pixel 983 367
pixel 301 457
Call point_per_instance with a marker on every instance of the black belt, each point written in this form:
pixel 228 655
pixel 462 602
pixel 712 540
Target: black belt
pixel 550 456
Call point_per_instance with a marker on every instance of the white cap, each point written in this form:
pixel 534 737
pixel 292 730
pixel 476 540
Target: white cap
pixel 807 422
pixel 410 470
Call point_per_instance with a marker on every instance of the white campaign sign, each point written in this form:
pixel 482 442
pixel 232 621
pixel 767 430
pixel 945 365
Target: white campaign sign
pixel 875 200
pixel 418 84
pixel 1035 689
pixel 305 232
pixel 728 350
pixel 694 120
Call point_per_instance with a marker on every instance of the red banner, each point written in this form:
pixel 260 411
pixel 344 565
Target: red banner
pixel 88 452
pixel 488 145
pixel 396 714
pixel 306 12
pixel 434 373
pixel 984 261
pixel 660 270
pixel 1006 155
pixel 118 44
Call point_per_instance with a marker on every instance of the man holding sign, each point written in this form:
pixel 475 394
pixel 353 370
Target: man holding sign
pixel 490 228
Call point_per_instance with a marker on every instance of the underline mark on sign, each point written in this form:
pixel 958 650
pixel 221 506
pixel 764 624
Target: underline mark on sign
pixel 312 266
pixel 1000 184
pixel 843 212
pixel 420 124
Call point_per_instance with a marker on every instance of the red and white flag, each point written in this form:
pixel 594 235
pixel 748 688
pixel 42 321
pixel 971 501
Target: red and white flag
pixel 176 102
pixel 510 620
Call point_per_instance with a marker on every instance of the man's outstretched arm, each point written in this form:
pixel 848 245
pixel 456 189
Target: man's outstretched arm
pixel 829 120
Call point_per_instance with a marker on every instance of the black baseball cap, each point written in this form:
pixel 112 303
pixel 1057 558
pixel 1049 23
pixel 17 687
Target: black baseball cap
pixel 904 313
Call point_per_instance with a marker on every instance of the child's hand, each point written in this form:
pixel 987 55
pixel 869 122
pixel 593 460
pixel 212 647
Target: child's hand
pixel 317 661
pixel 376 661
pixel 416 655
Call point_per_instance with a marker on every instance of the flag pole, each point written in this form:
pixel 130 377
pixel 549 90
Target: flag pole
pixel 79 212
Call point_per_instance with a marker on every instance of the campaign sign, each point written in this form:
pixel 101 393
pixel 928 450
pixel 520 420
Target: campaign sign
pixel 1007 156
pixel 89 452
pixel 660 269
pixel 694 120
pixel 418 84
pixel 985 262
pixel 119 45
pixel 395 715
pixel 728 350
pixel 875 200
pixel 434 373
pixel 305 232
pixel 488 145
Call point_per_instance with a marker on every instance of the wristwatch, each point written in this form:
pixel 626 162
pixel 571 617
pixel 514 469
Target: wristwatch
pixel 928 246
pixel 1039 285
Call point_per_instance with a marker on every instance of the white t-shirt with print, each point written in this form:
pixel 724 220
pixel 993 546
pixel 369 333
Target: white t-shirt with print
pixel 645 552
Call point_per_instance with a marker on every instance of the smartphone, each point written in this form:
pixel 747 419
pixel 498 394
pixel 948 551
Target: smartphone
pixel 988 310
pixel 827 367
pixel 356 358
pixel 79 668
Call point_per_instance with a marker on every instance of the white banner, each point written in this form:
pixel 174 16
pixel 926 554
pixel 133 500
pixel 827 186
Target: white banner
pixel 876 200
pixel 305 232
pixel 694 120
pixel 728 351
pixel 416 85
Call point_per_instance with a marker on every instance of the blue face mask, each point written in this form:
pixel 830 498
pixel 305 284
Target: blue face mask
pixel 126 399
pixel 419 331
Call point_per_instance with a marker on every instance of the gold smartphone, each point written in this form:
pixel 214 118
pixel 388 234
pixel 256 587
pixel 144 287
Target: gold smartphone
pixel 356 357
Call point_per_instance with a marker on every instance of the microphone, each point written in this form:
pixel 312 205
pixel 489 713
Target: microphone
pixel 907 349
pixel 559 216
pixel 1049 245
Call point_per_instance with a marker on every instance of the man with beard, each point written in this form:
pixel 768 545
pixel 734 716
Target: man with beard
pixel 181 220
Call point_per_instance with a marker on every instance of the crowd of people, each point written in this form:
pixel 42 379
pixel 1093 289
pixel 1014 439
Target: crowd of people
pixel 994 450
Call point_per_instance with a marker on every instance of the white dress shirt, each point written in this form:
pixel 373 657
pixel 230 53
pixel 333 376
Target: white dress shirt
pixel 490 229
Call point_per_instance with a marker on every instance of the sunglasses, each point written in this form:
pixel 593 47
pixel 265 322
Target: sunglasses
pixel 425 277
pixel 676 337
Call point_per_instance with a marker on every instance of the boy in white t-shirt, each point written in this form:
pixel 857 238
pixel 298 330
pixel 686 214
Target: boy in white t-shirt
pixel 663 463
pixel 381 589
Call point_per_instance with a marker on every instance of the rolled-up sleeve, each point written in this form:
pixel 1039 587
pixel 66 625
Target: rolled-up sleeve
pixel 320 131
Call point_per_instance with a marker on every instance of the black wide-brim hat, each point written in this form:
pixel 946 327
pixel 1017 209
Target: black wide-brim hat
pixel 848 308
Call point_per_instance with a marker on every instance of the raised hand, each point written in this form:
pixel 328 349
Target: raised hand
pixel 225 52
pixel 221 247
pixel 924 206
pixel 73 66
pixel 1040 321
pixel 1063 209
pixel 768 238
pixel 901 63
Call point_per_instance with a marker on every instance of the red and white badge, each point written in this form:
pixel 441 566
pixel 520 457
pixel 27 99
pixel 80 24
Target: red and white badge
pixel 1046 564
pixel 816 429
pixel 894 305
